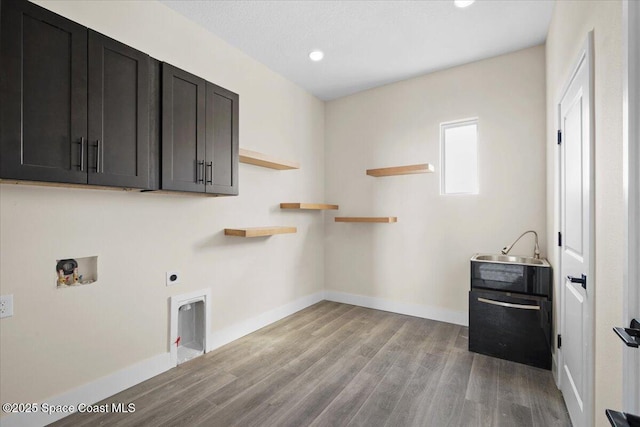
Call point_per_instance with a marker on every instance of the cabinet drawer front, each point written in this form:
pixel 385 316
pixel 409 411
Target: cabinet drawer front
pixel 510 328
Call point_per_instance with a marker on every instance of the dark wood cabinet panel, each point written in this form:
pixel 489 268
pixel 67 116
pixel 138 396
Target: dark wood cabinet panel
pixel 79 107
pixel 118 144
pixel 44 98
pixel 222 141
pixel 183 130
pixel 75 104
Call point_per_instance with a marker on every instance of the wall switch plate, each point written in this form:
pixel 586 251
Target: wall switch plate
pixel 6 306
pixel 173 277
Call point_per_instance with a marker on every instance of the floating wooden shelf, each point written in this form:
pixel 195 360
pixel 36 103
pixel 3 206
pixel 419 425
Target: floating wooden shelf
pixel 259 231
pixel 259 159
pixel 401 170
pixel 385 219
pixel 309 206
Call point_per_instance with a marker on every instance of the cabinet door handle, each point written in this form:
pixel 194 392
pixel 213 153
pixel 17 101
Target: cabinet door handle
pixel 98 156
pixel 200 171
pixel 80 164
pixel 209 172
pixel 509 305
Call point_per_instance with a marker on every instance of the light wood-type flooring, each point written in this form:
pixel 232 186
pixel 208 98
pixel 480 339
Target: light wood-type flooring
pixel 340 365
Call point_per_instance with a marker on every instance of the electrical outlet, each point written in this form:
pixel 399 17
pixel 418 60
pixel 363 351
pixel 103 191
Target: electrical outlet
pixel 6 306
pixel 173 277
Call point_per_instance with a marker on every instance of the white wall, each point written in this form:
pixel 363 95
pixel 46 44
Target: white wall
pixel 60 339
pixel 422 262
pixel 571 22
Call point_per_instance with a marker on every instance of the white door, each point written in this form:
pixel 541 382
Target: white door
pixel 576 193
pixel 631 143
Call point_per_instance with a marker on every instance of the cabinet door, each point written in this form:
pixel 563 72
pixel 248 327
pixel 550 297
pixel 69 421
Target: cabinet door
pixel 118 145
pixel 221 165
pixel 516 328
pixel 183 130
pixel 43 117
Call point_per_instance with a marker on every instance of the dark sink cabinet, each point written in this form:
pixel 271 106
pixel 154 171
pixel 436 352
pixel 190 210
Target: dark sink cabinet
pixel 199 135
pixel 75 104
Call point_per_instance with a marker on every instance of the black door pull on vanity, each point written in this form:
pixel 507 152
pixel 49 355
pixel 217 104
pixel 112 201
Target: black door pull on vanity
pixel 631 335
pixel 582 280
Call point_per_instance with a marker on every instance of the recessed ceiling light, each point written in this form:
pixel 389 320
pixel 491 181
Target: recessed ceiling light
pixel 316 55
pixel 463 3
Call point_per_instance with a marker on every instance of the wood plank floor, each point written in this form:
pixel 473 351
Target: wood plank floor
pixel 340 365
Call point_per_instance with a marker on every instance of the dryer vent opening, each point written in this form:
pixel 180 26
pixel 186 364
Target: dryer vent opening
pixel 191 330
pixel 189 325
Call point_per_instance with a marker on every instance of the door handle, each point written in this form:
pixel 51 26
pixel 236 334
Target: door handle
pixel 209 176
pixel 98 156
pixel 509 305
pixel 582 280
pixel 81 154
pixel 631 335
pixel 199 171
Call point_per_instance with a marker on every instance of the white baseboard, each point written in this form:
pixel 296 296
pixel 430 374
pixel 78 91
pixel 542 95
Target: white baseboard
pixel 109 385
pixel 417 310
pixel 102 388
pixel 233 332
pixel 554 368
pixel 93 392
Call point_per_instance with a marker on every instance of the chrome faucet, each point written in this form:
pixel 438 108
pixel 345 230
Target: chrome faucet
pixel 536 250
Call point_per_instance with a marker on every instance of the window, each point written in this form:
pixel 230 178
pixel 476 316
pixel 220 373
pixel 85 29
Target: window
pixel 459 151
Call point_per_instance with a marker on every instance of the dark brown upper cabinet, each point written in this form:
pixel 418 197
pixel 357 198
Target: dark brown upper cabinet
pixel 221 154
pixel 199 135
pixel 183 130
pixel 43 88
pixel 75 104
pixel 118 144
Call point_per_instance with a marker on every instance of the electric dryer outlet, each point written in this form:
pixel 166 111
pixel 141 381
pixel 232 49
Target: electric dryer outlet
pixel 173 277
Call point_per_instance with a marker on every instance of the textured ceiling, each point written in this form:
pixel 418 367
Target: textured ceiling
pixel 369 43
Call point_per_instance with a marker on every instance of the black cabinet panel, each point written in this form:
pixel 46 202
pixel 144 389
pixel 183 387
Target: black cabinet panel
pixel 222 141
pixel 155 123
pixel 516 328
pixel 118 114
pixel 43 91
pixel 75 103
pixel 49 119
pixel 519 278
pixel 183 130
pixel 80 107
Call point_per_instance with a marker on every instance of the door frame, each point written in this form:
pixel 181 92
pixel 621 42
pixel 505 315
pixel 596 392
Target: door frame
pixel 631 187
pixel 585 54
